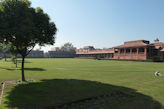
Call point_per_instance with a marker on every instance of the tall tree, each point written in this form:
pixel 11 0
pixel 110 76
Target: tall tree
pixel 68 47
pixel 24 26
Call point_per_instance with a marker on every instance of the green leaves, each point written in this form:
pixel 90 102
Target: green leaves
pixel 24 26
pixel 68 47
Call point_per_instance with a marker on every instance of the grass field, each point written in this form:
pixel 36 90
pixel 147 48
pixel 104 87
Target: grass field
pixel 84 84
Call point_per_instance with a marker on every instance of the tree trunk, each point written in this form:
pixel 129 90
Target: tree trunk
pixel 16 62
pixel 23 76
pixel 5 56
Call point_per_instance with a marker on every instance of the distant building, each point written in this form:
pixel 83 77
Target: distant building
pixel 46 55
pixel 139 50
pixel 88 48
pixel 36 54
pixel 58 52
pixel 32 54
pixel 55 49
pixel 62 54
pixel 131 50
pixel 159 50
pixel 3 55
pixel 90 52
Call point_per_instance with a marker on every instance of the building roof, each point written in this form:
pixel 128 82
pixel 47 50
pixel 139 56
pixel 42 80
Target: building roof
pixel 96 51
pixel 159 43
pixel 162 50
pixel 88 47
pixel 137 43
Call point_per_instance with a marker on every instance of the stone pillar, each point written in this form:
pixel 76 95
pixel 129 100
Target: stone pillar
pixel 130 51
pixel 119 51
pixel 137 51
pixel 145 51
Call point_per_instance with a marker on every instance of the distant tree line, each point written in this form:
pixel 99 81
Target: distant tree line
pixel 67 47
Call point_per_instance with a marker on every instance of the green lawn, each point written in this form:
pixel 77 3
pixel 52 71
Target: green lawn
pixel 80 83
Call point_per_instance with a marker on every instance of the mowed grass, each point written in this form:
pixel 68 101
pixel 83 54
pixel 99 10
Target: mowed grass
pixel 60 81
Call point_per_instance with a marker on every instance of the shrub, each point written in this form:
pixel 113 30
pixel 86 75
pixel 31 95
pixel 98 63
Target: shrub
pixel 156 59
pixel 99 57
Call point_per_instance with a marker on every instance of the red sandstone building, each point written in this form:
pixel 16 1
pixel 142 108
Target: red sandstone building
pixel 131 50
pixel 90 52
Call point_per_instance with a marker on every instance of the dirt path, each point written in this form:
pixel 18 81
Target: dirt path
pixel 1 91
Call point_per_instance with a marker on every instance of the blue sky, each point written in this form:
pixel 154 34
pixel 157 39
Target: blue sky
pixel 104 23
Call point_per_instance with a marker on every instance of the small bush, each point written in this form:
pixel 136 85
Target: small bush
pixel 156 59
pixel 99 57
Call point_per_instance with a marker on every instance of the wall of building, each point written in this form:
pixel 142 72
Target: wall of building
pixel 131 56
pixel 61 54
pixel 95 53
pixel 2 55
pixel 137 55
pixel 103 55
pixel 36 54
pixel 32 54
pixel 143 51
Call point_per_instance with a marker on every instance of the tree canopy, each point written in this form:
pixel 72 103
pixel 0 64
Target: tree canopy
pixel 68 47
pixel 24 26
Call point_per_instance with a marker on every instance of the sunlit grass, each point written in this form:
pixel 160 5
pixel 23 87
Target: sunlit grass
pixel 135 75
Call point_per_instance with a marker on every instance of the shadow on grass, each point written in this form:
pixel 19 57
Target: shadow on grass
pixel 35 69
pixel 20 61
pixel 77 94
pixel 31 69
pixel 9 69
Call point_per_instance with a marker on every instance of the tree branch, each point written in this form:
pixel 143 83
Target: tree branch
pixel 30 50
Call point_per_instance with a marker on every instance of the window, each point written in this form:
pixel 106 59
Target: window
pixel 141 50
pixel 127 50
pixel 122 51
pixel 148 50
pixel 116 50
pixel 134 50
